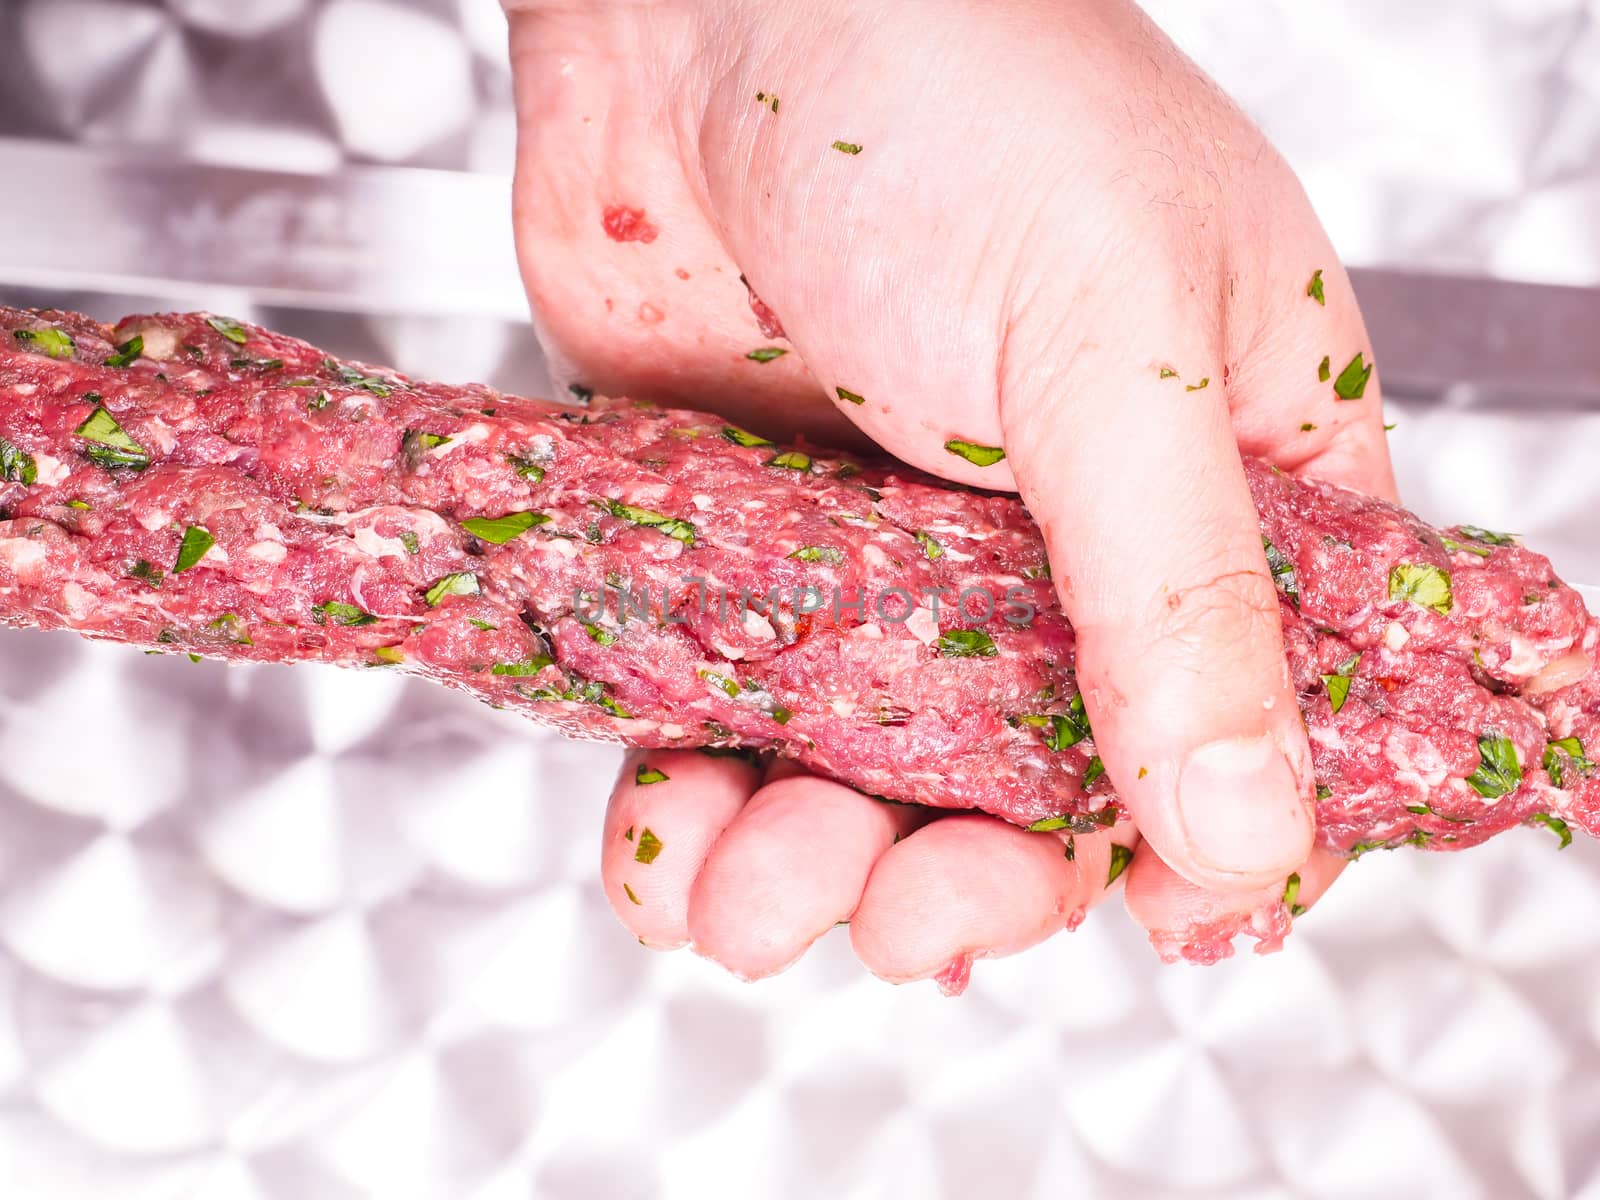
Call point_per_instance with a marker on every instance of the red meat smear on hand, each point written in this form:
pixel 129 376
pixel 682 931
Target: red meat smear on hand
pixel 767 319
pixel 624 224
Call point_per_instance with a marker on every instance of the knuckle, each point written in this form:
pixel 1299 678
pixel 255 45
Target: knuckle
pixel 1229 617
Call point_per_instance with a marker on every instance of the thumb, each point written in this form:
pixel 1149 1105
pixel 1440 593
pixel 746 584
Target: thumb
pixel 1131 467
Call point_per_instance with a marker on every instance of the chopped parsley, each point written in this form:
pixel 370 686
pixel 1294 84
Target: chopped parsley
pixel 340 613
pixel 17 465
pixel 644 775
pixel 1456 547
pixel 1338 684
pixel 790 460
pixel 1049 824
pixel 1565 755
pixel 1422 584
pixel 671 527
pixel 389 654
pixel 929 545
pixel 1068 728
pixel 721 682
pixel 197 540
pixel 409 540
pixel 1325 369
pixel 1314 288
pixel 500 530
pixel 766 354
pixel 1092 772
pixel 743 437
pixel 1168 373
pixel 417 442
pixel 1121 856
pixel 127 353
pixel 1307 427
pixel 229 329
pixel 111 447
pixel 319 402
pixel 1291 893
pixel 57 343
pixel 649 844
pixel 1487 536
pixel 1556 826
pixel 483 625
pixel 770 99
pixel 848 396
pixel 351 377
pixel 628 891
pixel 599 635
pixel 822 554
pixel 1498 773
pixel 457 583
pixel 966 643
pixel 520 670
pixel 143 570
pixel 978 456
pixel 232 624
pixel 1352 381
pixel 847 147
pixel 1283 573
pixel 1198 387
pixel 84 504
pixel 526 468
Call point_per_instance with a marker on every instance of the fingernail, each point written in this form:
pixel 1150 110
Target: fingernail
pixel 1240 808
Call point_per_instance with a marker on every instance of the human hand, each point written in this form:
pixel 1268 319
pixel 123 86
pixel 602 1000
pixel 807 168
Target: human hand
pixel 1058 240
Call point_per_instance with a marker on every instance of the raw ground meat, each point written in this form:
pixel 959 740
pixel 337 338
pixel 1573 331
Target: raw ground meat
pixel 187 483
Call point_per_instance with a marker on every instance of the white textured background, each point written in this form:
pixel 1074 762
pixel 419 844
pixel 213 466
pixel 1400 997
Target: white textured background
pixel 306 935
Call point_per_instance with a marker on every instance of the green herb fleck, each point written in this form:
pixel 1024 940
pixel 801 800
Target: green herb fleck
pixel 821 554
pixel 629 892
pixel 500 530
pixel 672 527
pixel 17 465
pixel 486 626
pixel 112 446
pixel 1338 684
pixel 743 437
pixel 1422 584
pixel 720 681
pixel 978 456
pixel 1283 572
pixel 929 545
pixel 229 329
pixel 781 715
pixel 196 541
pixel 766 354
pixel 340 613
pixel 847 147
pixel 1325 369
pixel 1487 536
pixel 1390 428
pixel 1556 826
pixel 389 654
pixel 526 468
pixel 1042 571
pixel 417 442
pixel 234 626
pixel 1092 772
pixel 519 670
pixel 1068 728
pixel 1565 755
pixel 1307 427
pixel 127 353
pixel 1456 547
pixel 457 583
pixel 409 540
pixel 790 460
pixel 84 504
pixel 1121 856
pixel 966 643
pixel 599 634
pixel 770 99
pixel 1314 288
pixel 1071 851
pixel 849 397
pixel 57 343
pixel 1198 387
pixel 649 843
pixel 1498 773
pixel 143 570
pixel 351 377
pixel 1352 381
pixel 1168 373
pixel 1049 824
pixel 1291 891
